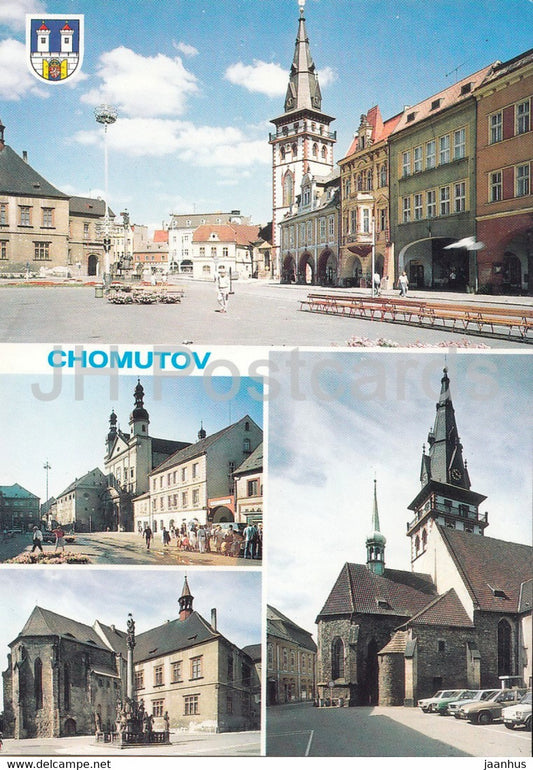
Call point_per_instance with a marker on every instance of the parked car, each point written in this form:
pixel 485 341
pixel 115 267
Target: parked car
pixel 426 703
pixel 454 706
pixel 441 706
pixel 518 715
pixel 484 712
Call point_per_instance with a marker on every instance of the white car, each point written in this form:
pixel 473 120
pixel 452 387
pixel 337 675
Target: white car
pixel 427 703
pixel 518 715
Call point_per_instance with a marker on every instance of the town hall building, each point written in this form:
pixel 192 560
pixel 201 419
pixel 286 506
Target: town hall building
pixel 460 618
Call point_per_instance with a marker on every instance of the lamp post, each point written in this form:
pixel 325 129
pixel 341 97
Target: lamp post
pixel 106 115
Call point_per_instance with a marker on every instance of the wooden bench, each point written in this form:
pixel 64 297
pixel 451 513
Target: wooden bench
pixel 457 316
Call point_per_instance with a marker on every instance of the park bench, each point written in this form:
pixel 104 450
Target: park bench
pixel 457 316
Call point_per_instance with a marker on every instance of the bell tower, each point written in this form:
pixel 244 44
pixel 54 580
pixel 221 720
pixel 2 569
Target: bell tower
pixel 445 497
pixel 302 143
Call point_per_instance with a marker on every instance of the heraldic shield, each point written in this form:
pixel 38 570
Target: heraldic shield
pixel 54 46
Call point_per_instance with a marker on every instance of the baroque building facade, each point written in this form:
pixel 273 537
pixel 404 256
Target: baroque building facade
pixel 459 618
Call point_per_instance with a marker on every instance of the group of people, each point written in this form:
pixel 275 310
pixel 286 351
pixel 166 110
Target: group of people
pixel 211 538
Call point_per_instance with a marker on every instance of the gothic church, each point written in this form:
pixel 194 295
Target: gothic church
pixel 461 618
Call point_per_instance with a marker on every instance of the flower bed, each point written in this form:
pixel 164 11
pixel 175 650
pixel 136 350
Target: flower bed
pixel 54 557
pixel 381 342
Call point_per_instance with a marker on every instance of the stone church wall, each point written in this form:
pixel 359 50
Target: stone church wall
pixel 442 668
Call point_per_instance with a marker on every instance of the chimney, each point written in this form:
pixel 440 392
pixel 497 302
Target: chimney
pixel 214 619
pixel 25 156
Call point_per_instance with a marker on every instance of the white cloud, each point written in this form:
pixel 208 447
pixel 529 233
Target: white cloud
pixel 145 85
pixel 269 78
pixel 206 146
pixel 16 80
pixel 186 49
pixel 13 12
pixel 260 77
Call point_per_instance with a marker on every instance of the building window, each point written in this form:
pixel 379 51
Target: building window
pixel 3 249
pixel 38 683
pixel 253 487
pixel 444 200
pixel 522 117
pixel 431 204
pixel 418 211
pixel 139 680
pixel 459 144
pixel 495 186
pixel 459 197
pixel 157 708
pixel 444 149
pixel 192 705
pixel 196 667
pixel 25 216
pixel 406 209
pixel 406 163
pixel 3 213
pixel 417 159
pixel 337 658
pixel 496 127
pixel 42 251
pixel 176 671
pixel 48 217
pixel 522 180
pixel 158 676
pixel 431 154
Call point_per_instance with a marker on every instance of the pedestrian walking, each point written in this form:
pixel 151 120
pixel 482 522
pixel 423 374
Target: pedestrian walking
pixel 147 534
pixel 403 283
pixel 222 282
pixel 60 538
pixel 37 540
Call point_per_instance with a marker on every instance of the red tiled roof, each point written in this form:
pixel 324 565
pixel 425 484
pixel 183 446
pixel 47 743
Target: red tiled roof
pixel 396 592
pixel 445 610
pixel 488 565
pixel 242 235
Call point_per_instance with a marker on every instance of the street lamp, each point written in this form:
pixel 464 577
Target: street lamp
pixel 106 115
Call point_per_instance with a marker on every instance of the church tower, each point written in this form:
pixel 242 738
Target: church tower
pixel 302 143
pixel 445 497
pixel 185 601
pixel 375 542
pixel 139 418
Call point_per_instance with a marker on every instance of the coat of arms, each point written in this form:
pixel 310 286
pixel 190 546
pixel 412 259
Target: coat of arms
pixel 54 46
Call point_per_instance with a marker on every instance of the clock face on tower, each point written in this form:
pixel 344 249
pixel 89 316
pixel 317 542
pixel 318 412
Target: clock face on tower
pixel 456 474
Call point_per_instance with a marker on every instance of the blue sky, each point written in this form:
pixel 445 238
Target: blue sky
pixel 196 84
pixel 345 418
pixel 154 600
pixel 70 431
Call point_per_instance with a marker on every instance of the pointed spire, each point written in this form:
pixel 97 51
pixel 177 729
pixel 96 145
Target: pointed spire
pixel 185 601
pixel 444 461
pixel 375 542
pixel 303 92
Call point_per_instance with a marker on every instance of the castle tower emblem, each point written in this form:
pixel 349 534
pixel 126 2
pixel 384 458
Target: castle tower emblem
pixel 54 46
